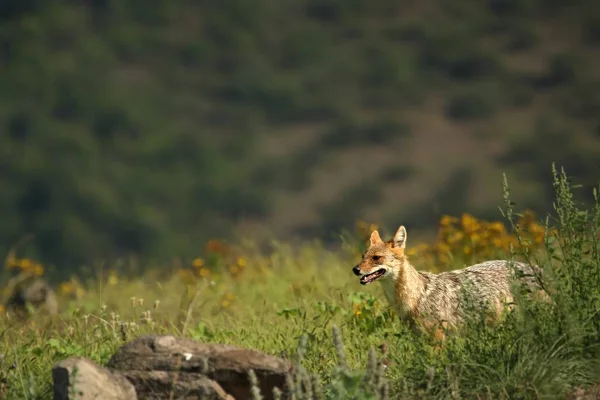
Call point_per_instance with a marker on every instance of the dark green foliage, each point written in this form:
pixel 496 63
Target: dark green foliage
pixel 396 173
pixel 591 28
pixel 347 209
pixel 522 38
pixel 563 69
pixel 455 191
pixel 582 100
pixel 526 154
pixel 135 127
pixel 356 133
pixel 454 50
pixel 16 8
pixel 470 104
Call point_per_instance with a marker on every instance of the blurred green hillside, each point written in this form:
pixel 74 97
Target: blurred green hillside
pixel 148 127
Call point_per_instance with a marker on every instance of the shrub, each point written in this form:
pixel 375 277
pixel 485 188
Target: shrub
pixel 353 132
pixel 562 69
pixel 470 104
pixel 581 100
pixel 397 173
pixel 591 29
pixel 349 206
pixel 454 52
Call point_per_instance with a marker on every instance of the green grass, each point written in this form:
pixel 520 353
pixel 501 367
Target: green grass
pixel 304 301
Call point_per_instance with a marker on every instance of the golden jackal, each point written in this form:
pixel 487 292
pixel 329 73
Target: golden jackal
pixel 425 299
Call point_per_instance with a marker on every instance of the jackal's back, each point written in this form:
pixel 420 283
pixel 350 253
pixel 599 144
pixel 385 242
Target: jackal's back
pixel 488 282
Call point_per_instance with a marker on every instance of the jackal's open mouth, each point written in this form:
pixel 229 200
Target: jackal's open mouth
pixel 366 279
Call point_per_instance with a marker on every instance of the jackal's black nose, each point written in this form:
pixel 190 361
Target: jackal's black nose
pixel 356 270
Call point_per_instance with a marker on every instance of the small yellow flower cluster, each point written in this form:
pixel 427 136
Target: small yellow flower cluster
pixel 72 289
pixel 533 230
pixel 472 239
pixel 24 266
pixel 219 257
pixel 201 268
pixel 236 268
pixel 364 305
pixel 367 309
pixel 227 300
pixel 113 278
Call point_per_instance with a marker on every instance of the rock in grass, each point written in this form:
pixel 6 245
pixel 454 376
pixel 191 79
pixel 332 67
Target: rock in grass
pixel 81 379
pixel 159 385
pixel 227 365
pixel 590 393
pixel 35 292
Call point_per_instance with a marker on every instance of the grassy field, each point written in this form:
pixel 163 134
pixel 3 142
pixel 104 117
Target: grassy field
pixel 298 301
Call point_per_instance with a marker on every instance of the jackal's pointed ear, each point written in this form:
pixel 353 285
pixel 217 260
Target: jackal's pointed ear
pixel 400 237
pixel 375 238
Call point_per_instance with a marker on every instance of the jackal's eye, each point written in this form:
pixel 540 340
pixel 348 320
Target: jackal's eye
pixel 376 258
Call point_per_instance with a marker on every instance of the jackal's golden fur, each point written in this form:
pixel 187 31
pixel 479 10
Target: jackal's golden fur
pixel 427 300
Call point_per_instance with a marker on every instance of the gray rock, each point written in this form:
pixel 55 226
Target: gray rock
pixel 159 385
pixel 35 292
pixel 81 379
pixel 225 364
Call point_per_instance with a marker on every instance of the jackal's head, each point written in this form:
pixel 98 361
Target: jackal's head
pixel 382 259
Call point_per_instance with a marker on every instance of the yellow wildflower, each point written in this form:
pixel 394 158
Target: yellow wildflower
pixel 538 238
pixel 444 258
pixel 66 288
pixel 241 262
pixel 38 270
pixel 442 247
pixel 497 227
pixel 113 279
pixel 12 262
pixel 455 237
pixel 527 219
pixel 537 228
pixel 198 263
pixel 486 233
pixel 25 264
pixel 469 223
pixel 204 272
pixel 448 220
